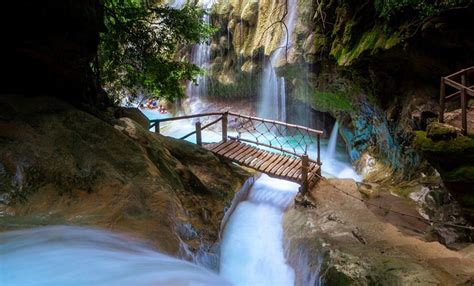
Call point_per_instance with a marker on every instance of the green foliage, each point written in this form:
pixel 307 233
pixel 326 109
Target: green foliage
pixel 328 101
pixel 388 9
pixel 137 50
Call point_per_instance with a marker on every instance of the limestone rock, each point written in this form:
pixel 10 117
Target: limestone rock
pixel 133 113
pixel 368 190
pixel 61 165
pixel 250 12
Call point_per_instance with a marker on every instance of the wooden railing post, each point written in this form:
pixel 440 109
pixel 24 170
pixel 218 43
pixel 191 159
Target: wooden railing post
pixel 198 133
pixel 304 173
pixel 157 127
pixel 319 148
pixel 442 95
pixel 463 105
pixel 225 119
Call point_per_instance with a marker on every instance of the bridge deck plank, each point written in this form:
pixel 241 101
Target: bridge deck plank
pixel 277 165
pixel 236 151
pixel 252 158
pixel 244 153
pixel 227 149
pixel 291 167
pixel 280 171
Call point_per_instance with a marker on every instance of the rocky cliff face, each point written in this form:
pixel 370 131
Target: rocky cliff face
pixel 373 67
pixel 60 165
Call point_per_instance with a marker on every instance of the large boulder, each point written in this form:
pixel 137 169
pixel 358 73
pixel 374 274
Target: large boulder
pixel 60 165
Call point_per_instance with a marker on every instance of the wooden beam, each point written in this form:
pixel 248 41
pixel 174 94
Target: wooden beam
pixel 225 118
pixel 304 173
pixel 463 106
pixel 442 95
pixel 186 117
pixel 198 133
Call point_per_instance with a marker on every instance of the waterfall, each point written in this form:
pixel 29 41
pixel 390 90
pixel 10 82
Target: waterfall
pixel 272 99
pixel 252 247
pixel 201 57
pixel 331 151
pixel 83 256
pixel 282 116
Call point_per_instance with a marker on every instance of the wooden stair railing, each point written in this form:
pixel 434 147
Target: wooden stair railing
pixel 458 81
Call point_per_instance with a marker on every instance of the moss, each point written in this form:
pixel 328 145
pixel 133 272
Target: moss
pixel 461 174
pixel 463 145
pixel 370 41
pixel 328 101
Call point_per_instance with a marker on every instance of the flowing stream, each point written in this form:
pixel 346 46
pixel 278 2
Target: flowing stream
pixel 252 245
pixel 84 256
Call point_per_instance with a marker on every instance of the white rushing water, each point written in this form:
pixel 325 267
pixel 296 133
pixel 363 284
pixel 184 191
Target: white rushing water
pixel 252 245
pixel 331 150
pixel 201 57
pixel 272 95
pixel 84 256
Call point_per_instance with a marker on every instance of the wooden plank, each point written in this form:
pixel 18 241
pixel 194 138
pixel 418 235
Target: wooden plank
pixel 243 152
pixel 249 158
pixel 268 161
pixel 297 175
pixel 239 153
pixel 274 163
pixel 295 169
pixel 248 149
pixel 221 146
pixel 229 147
pixel 284 167
pixel 280 164
pixel 266 155
pixel 257 159
pixel 290 168
pixel 230 153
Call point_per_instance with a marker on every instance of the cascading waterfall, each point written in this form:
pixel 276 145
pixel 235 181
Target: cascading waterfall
pixel 252 251
pixel 84 256
pixel 252 247
pixel 282 116
pixel 272 102
pixel 331 151
pixel 201 57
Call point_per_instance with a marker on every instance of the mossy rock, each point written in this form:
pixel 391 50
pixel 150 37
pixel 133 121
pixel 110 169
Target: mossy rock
pixel 439 131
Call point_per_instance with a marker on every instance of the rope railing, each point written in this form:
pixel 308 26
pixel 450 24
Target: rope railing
pixel 284 137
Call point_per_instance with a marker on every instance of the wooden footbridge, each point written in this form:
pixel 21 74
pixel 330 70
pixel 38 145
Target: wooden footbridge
pixel 272 147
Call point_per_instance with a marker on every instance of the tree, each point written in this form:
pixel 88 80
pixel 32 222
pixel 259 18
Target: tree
pixel 137 50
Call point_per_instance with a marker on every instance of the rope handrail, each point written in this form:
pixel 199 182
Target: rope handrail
pixel 184 117
pixel 285 137
pixel 202 128
pixel 277 123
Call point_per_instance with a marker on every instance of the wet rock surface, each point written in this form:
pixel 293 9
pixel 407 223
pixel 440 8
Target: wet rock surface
pixel 348 244
pixel 60 165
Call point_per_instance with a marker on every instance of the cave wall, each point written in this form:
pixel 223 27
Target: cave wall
pixel 48 47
